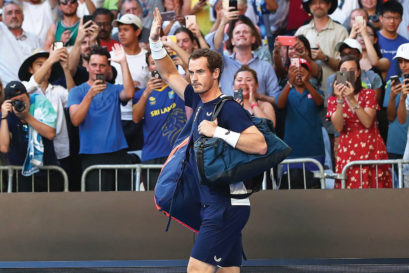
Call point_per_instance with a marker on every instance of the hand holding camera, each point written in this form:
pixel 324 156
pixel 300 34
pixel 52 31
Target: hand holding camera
pixel 97 87
pixel 405 85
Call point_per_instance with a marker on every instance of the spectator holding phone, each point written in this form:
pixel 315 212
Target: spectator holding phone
pixel 398 128
pixel 300 49
pixel 303 103
pixel 372 58
pixel 352 110
pixel 245 86
pixel 373 9
pixel 163 116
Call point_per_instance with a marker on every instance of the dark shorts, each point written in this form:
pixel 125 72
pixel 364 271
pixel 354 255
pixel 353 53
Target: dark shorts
pixel 219 240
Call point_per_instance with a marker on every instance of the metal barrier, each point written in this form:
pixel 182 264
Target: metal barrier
pixel 398 162
pixel 136 170
pixel 317 174
pixel 11 169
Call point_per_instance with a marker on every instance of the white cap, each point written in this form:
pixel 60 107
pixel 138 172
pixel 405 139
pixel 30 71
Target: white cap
pixel 403 52
pixel 351 43
pixel 128 19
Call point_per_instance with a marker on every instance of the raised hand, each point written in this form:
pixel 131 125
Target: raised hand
pixel 118 54
pixel 156 26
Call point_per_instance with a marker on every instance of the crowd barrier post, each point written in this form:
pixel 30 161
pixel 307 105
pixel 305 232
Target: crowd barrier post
pixel 136 170
pixel 317 174
pixel 11 169
pixel 398 162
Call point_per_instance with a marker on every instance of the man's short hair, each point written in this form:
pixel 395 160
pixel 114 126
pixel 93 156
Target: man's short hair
pixel 243 20
pixel 102 51
pixel 393 7
pixel 127 1
pixel 103 11
pixel 214 59
pixel 13 2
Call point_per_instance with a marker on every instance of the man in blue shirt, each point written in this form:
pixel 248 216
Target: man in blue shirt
pixel 94 107
pixel 388 38
pixel 243 39
pixel 218 243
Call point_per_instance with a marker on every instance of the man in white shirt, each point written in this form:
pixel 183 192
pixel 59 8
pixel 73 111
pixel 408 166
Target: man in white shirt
pixel 130 27
pixel 15 43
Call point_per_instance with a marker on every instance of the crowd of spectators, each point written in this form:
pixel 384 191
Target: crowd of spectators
pixel 79 86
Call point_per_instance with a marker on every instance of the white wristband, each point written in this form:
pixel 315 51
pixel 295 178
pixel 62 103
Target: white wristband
pixel 158 52
pixel 230 137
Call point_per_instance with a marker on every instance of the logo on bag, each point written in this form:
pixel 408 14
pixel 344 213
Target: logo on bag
pixel 217 260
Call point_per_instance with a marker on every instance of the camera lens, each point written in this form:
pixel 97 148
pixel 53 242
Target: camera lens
pixel 18 105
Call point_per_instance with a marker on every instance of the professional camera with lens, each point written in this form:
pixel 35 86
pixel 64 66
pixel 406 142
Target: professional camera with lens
pixel 18 105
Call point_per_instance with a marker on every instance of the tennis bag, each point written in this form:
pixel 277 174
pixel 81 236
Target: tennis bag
pixel 176 191
pixel 220 164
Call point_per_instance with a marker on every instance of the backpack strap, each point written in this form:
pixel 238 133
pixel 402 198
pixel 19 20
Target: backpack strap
pixel 219 105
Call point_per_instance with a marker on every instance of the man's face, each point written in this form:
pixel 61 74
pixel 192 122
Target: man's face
pixel 68 7
pixel 37 64
pixel 132 8
pixel 183 40
pixel 13 16
pixel 242 36
pixel 319 8
pixel 404 65
pixel 390 21
pixel 127 35
pixel 98 64
pixel 86 47
pixel 201 77
pixel 105 26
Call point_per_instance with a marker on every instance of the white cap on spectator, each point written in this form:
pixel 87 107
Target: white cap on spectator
pixel 403 52
pixel 351 43
pixel 128 19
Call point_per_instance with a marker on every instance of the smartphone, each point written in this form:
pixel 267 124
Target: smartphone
pixel 295 62
pixel 406 78
pixel 233 3
pixel 155 74
pixel 100 77
pixel 359 19
pixel 190 19
pixel 238 94
pixel 58 45
pixel 168 15
pixel 287 40
pixel 394 80
pixel 86 18
pixel 345 76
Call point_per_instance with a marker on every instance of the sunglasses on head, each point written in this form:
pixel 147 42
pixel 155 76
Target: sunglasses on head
pixel 66 2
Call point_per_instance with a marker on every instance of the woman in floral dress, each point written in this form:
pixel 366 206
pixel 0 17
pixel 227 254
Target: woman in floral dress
pixel 352 110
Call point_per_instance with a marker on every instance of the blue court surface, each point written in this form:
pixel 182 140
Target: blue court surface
pixel 176 266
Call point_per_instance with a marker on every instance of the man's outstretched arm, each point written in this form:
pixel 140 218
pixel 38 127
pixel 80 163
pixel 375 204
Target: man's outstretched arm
pixel 164 63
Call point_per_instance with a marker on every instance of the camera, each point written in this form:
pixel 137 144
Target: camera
pixel 374 18
pixel 18 105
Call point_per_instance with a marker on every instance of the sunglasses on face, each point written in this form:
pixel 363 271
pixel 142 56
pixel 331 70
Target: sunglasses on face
pixel 66 2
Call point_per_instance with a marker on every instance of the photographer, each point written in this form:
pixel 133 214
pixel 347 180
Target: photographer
pixel 26 133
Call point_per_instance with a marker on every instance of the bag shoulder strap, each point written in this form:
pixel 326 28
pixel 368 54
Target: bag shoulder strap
pixel 219 105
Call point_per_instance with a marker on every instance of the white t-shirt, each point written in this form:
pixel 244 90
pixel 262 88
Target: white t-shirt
pixel 14 51
pixel 58 96
pixel 140 76
pixel 38 18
